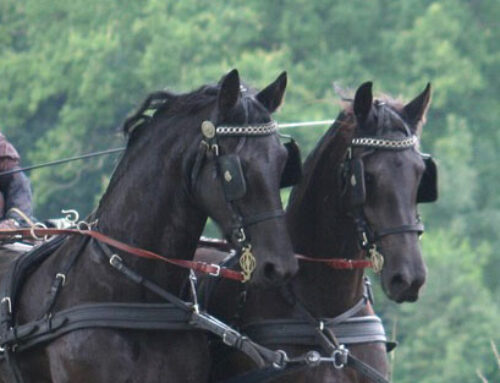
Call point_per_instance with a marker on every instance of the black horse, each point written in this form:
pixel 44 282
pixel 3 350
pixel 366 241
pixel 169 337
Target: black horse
pixel 358 196
pixel 169 180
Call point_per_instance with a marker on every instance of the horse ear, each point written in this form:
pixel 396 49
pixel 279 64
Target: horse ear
pixel 363 101
pixel 272 96
pixel 229 92
pixel 416 109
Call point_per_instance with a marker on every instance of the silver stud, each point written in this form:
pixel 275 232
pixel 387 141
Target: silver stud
pixel 208 129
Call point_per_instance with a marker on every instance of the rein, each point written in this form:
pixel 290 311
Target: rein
pixel 201 267
pixel 338 263
pixel 334 263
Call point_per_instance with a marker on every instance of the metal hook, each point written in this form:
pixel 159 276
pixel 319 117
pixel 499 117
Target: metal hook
pixel 71 216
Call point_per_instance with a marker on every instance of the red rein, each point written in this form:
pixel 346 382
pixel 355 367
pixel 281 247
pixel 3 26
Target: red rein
pixel 202 267
pixel 338 263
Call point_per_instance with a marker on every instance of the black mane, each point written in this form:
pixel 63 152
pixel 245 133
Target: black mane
pixel 162 103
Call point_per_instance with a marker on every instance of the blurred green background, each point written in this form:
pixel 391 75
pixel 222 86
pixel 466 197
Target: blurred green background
pixel 70 72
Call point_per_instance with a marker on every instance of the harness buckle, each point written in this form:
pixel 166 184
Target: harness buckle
pixel 62 277
pixel 115 260
pixel 9 304
pixel 281 363
pixel 215 149
pixel 229 338
pixel 321 325
pixel 216 273
pixel 365 241
pixel 339 357
pixel 240 235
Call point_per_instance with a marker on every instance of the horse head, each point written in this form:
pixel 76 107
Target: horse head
pixel 237 182
pixel 388 176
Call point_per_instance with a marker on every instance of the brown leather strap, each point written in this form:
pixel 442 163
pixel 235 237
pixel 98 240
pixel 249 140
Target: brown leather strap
pixel 202 267
pixel 338 263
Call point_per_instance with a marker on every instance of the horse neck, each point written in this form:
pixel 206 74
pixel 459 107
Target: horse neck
pixel 320 227
pixel 147 204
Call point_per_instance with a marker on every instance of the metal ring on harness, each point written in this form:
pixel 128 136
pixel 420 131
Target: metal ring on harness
pixel 339 357
pixel 84 226
pixel 38 225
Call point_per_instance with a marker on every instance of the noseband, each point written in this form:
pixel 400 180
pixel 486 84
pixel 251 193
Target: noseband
pixel 353 175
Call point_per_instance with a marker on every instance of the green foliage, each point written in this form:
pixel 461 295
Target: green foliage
pixel 71 71
pixel 446 336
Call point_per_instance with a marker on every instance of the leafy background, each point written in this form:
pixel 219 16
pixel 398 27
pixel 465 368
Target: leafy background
pixel 71 71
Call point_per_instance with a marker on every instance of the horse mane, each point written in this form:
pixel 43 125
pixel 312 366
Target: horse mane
pixel 166 103
pixel 334 142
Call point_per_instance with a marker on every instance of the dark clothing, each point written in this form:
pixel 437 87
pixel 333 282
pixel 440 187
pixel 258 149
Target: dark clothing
pixel 15 188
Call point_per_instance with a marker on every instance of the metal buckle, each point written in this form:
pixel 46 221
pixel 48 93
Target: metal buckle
pixel 365 239
pixel 240 235
pixel 9 304
pixel 283 360
pixel 321 325
pixel 215 149
pixel 115 260
pixel 339 357
pixel 62 277
pixel 229 338
pixel 216 273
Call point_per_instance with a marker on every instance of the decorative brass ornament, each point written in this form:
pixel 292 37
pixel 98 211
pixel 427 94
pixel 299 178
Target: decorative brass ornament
pixel 227 176
pixel 247 263
pixel 377 259
pixel 208 129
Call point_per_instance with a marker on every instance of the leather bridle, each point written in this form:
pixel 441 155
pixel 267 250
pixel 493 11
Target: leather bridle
pixel 230 173
pixel 367 236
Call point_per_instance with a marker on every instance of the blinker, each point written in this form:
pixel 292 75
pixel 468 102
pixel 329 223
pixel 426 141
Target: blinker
pixel 292 173
pixel 233 183
pixel 428 188
pixel 357 181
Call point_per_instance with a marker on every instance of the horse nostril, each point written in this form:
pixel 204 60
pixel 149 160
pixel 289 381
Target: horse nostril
pixel 273 274
pixel 399 282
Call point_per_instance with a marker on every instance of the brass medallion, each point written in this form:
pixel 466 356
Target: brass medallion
pixel 247 263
